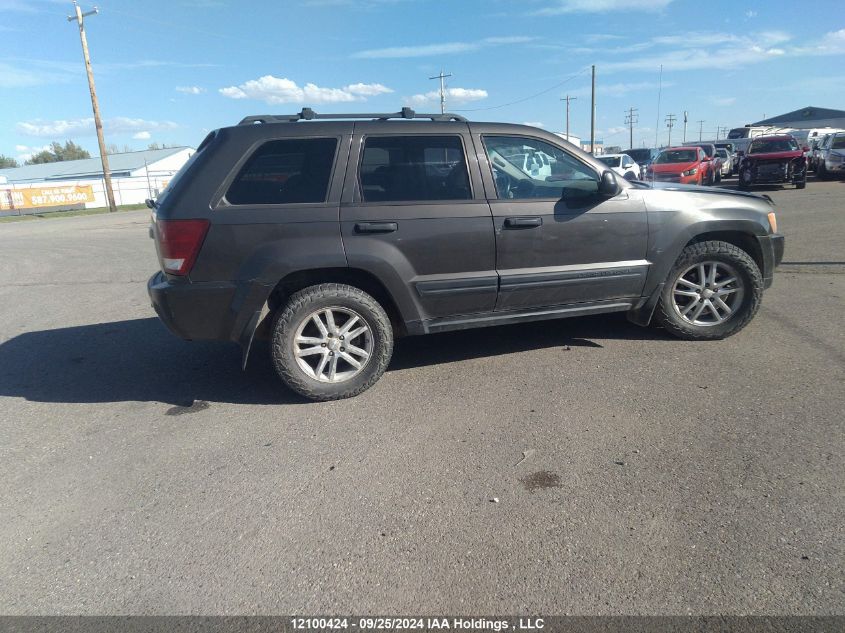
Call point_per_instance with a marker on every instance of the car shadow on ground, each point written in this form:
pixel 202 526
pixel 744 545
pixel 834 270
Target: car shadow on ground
pixel 139 360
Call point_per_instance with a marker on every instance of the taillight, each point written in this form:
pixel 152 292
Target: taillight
pixel 179 244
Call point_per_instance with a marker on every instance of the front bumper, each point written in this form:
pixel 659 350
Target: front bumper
pixel 674 178
pixel 771 248
pixel 207 310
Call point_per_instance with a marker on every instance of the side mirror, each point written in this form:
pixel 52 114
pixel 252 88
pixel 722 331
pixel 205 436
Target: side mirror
pixel 608 185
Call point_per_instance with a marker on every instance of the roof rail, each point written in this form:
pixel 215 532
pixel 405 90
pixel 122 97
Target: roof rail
pixel 308 114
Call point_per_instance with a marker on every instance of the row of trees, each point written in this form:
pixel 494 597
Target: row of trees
pixel 69 151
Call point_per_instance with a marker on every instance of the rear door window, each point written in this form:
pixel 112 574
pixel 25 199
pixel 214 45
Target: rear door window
pixel 286 172
pixel 413 168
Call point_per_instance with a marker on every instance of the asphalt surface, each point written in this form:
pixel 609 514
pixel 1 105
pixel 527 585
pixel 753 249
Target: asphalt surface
pixel 632 473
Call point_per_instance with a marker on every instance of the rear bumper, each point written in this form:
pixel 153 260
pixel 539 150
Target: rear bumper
pixel 771 247
pixel 220 311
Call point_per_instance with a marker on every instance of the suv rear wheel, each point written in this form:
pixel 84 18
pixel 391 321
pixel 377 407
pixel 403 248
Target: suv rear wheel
pixel 331 341
pixel 712 292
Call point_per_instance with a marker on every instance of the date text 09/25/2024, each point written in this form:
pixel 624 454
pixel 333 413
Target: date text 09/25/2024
pixel 409 623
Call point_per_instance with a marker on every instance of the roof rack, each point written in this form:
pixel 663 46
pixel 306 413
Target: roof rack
pixel 308 114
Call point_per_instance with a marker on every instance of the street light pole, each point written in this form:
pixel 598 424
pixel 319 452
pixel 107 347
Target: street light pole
pixel 98 123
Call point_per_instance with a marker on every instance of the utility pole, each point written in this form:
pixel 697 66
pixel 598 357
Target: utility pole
pixel 670 123
pixel 441 77
pixel 593 115
pixel 685 126
pixel 659 94
pixel 98 123
pixel 722 130
pixel 700 129
pixel 631 117
pixel 568 99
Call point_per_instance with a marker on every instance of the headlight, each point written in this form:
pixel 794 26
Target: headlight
pixel 691 172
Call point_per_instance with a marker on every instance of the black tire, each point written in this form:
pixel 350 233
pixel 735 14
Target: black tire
pixel 743 184
pixel 629 176
pixel 719 176
pixel 299 309
pixel 748 274
pixel 802 184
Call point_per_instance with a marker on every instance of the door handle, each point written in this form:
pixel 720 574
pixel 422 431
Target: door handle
pixel 523 223
pixel 376 227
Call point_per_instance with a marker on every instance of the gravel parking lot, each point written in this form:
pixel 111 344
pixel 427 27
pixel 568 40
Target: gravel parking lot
pixel 581 466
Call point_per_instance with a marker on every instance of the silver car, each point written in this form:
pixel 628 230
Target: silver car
pixel 831 163
pixel 727 162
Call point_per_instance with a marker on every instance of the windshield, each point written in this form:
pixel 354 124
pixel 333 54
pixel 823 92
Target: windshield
pixel 838 143
pixel 676 156
pixel 640 155
pixel 770 146
pixel 739 132
pixel 723 153
pixel 610 161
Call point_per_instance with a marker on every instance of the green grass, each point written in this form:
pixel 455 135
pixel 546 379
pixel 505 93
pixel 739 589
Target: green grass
pixel 69 214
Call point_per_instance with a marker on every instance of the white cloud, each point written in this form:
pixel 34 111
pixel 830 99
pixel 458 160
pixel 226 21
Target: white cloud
pixel 85 126
pixel 25 152
pixel 750 14
pixel 724 101
pixel 190 90
pixel 446 48
pixel 273 90
pixel 454 96
pixel 533 123
pixel 142 136
pixel 368 90
pixel 692 51
pixel 560 7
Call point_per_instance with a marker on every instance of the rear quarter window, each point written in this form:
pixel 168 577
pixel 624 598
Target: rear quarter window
pixel 290 171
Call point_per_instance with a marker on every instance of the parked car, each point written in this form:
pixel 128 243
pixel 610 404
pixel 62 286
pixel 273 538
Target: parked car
pixel 731 147
pixel 773 159
pixel 331 238
pixel 622 164
pixel 682 165
pixel 816 149
pixel 727 162
pixel 643 157
pixel 832 159
pixel 714 163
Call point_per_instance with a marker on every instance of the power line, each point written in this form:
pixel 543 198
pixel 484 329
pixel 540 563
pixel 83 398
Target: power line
pixel 98 122
pixel 441 77
pixel 631 117
pixel 528 98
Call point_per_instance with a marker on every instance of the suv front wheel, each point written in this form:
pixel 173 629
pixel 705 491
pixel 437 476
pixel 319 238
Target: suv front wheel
pixel 331 341
pixel 712 292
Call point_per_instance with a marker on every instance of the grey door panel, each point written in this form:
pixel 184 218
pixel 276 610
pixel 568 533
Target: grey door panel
pixel 444 254
pixel 576 254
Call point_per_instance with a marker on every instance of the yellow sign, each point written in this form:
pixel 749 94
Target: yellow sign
pixel 37 197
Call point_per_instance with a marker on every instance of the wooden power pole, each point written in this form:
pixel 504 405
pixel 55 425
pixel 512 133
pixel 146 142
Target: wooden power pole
pixel 442 77
pixel 593 115
pixel 568 99
pixel 98 123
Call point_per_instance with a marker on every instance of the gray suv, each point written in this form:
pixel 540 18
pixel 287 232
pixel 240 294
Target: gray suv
pixel 332 235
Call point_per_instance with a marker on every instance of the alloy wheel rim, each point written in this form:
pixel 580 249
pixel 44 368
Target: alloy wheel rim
pixel 708 293
pixel 333 344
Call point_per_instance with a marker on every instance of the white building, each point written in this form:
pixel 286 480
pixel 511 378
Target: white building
pixel 76 184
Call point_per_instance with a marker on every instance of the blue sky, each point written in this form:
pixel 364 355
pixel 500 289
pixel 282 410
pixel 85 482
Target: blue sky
pixel 167 72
